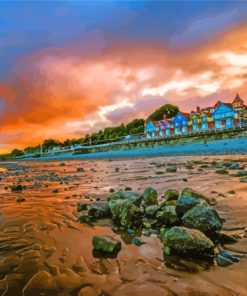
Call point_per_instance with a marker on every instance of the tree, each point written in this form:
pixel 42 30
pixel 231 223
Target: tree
pixel 168 109
pixel 17 152
pixel 49 143
pixel 135 126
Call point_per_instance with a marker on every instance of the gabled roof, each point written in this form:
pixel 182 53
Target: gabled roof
pixel 187 115
pixel 237 99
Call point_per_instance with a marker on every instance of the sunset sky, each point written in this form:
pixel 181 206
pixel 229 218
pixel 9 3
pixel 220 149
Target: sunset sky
pixel 74 67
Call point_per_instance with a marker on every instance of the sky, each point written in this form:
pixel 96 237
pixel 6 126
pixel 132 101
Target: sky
pixel 69 68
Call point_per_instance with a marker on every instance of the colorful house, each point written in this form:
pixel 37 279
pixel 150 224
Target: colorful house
pixel 180 123
pixel 200 120
pixel 165 127
pixel 240 110
pixel 151 129
pixel 223 116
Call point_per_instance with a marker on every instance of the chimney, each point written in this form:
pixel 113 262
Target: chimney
pixel 165 117
pixel 198 109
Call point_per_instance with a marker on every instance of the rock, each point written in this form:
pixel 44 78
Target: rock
pixel 171 169
pixel 125 213
pixel 243 180
pixel 128 188
pixel 185 203
pixel 171 194
pixel 16 188
pixel 133 198
pixel 136 241
pixel 240 174
pixel 234 166
pixel 84 219
pixel 99 210
pixel 62 164
pixel 187 241
pixel 111 190
pixel 20 199
pixel 55 191
pixel 80 170
pixel 223 261
pixel 192 193
pixel 226 238
pixel 167 215
pixel 222 172
pixel 106 244
pixel 150 211
pixel 229 256
pixel 114 196
pixel 202 218
pixel 81 206
pixel 150 196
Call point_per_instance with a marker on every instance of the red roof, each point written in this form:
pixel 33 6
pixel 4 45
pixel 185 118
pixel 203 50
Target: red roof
pixel 237 99
pixel 187 115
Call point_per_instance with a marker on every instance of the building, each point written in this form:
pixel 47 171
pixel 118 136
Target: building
pixel 180 123
pixel 151 129
pixel 221 115
pixel 165 126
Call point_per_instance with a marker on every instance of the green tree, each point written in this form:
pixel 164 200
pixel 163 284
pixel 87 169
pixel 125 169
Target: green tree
pixel 168 109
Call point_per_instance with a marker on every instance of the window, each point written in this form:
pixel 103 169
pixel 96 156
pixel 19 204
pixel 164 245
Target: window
pixel 194 128
pixel 204 119
pixel 195 120
pixel 229 122
pixel 204 126
pixel 184 130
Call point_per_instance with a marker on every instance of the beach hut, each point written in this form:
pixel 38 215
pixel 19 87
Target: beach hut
pixel 223 115
pixel 180 123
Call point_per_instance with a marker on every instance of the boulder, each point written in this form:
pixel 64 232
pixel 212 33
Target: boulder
pixel 106 243
pixel 150 196
pixel 234 166
pixel 171 194
pixel 187 241
pixel 132 197
pixel 202 218
pixel 16 188
pixel 150 211
pixel 167 215
pixel 185 203
pixel 192 193
pixel 125 213
pixel 99 210
pixel 240 174
pixel 81 206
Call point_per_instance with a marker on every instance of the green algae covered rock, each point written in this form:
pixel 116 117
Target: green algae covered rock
pixel 192 193
pixel 202 218
pixel 150 211
pixel 167 215
pixel 99 210
pixel 171 194
pixel 106 244
pixel 124 212
pixel 187 241
pixel 150 196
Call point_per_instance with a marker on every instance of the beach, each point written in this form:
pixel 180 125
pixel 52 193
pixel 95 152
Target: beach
pixel 44 246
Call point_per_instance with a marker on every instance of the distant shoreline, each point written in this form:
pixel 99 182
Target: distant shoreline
pixel 235 146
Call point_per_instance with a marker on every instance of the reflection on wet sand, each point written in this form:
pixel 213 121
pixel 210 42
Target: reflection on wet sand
pixel 45 251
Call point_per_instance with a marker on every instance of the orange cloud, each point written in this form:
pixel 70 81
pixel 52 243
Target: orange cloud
pixel 64 93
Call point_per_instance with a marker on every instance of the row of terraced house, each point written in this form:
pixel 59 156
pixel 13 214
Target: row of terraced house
pixel 220 116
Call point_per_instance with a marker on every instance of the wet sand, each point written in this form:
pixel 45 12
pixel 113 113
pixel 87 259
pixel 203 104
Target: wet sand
pixel 45 251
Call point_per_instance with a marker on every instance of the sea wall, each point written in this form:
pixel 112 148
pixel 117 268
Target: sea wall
pixel 173 141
